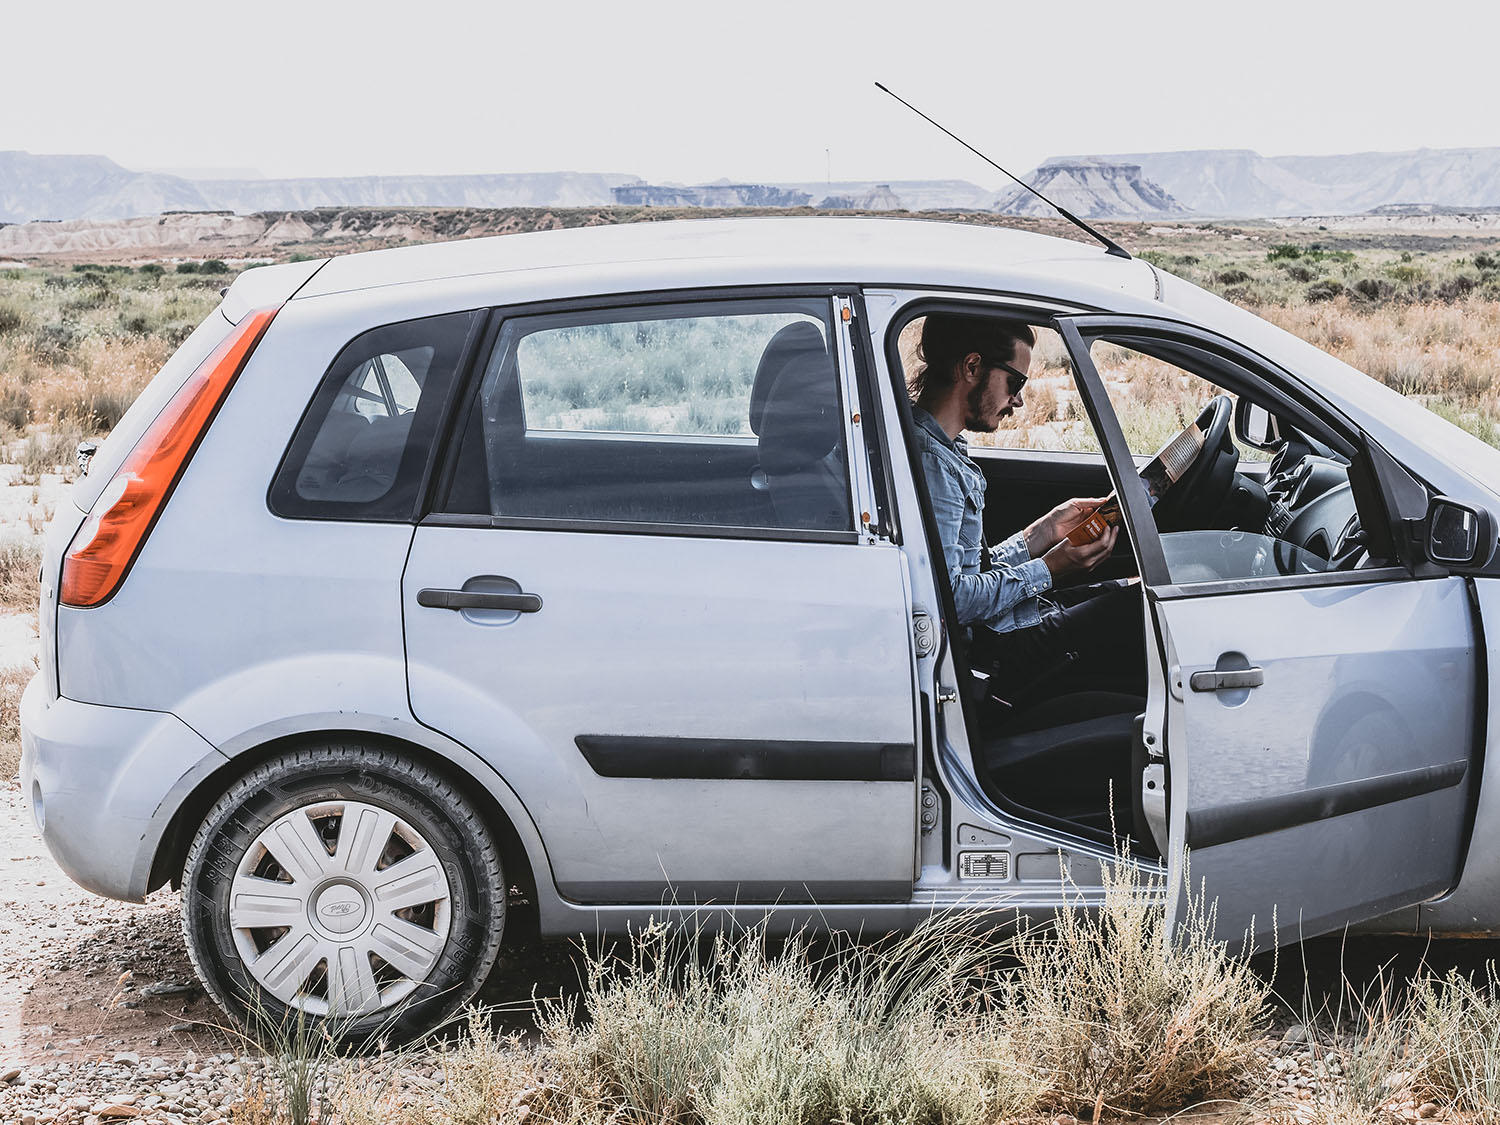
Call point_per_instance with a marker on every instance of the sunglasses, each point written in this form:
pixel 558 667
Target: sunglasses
pixel 1016 377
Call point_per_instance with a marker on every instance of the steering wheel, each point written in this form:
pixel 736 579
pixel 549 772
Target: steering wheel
pixel 1192 501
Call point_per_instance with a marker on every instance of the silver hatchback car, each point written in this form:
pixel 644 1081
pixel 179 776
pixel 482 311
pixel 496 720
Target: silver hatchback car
pixel 591 575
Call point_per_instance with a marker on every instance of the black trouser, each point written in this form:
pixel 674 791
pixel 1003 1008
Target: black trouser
pixel 1091 638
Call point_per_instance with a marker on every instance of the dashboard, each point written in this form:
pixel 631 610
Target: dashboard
pixel 1295 517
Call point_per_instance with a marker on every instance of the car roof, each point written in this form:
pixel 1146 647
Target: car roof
pixel 874 253
pixel 756 251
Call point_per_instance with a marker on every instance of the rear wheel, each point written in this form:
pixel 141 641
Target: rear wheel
pixel 347 883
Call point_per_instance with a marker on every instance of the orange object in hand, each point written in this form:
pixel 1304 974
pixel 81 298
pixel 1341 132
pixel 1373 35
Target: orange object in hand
pixel 1096 523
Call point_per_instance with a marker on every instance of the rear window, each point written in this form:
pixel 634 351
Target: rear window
pixel 362 447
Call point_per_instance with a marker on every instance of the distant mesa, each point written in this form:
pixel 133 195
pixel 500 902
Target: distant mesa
pixel 1206 183
pixel 1091 189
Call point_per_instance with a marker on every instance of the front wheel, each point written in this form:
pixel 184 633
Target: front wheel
pixel 346 883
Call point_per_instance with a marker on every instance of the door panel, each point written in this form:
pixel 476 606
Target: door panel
pixel 1338 788
pixel 697 717
pixel 1319 740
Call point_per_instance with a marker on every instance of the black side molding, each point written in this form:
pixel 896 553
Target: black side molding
pixel 1223 823
pixel 727 759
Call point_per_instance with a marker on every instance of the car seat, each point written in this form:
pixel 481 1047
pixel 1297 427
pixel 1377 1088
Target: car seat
pixel 794 411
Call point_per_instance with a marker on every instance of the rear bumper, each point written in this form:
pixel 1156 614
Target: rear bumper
pixel 104 782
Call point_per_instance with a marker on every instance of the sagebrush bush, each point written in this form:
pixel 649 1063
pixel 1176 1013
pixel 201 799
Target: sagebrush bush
pixel 1108 1011
pixel 20 559
pixel 1453 1037
pixel 13 318
pixel 950 1024
pixel 740 1034
pixel 13 681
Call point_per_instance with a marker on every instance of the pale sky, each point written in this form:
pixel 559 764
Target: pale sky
pixel 750 91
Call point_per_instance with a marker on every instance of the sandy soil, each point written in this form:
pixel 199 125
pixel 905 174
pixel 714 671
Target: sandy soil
pixel 82 976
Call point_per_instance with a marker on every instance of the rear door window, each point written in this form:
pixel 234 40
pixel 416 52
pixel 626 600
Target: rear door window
pixel 723 414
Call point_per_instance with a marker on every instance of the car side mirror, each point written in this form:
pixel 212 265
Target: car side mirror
pixel 1460 535
pixel 1256 426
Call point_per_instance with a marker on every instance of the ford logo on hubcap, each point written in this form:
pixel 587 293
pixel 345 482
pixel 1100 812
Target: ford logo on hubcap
pixel 339 909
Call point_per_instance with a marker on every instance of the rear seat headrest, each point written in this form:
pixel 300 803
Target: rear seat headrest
pixel 799 339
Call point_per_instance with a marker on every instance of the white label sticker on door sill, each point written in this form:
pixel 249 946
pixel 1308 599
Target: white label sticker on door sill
pixel 984 865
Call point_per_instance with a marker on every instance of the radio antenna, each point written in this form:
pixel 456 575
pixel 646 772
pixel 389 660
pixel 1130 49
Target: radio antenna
pixel 1110 246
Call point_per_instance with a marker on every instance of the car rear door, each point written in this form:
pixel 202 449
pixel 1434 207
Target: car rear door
pixel 649 594
pixel 1312 735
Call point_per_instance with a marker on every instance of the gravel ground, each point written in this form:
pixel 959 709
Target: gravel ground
pixel 101 1018
pixel 101 1015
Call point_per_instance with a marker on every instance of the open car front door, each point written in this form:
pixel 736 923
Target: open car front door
pixel 1311 737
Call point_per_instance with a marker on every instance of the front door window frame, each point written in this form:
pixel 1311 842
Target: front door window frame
pixel 1285 395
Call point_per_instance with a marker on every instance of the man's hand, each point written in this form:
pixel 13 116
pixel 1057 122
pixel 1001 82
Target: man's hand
pixel 1048 531
pixel 1065 558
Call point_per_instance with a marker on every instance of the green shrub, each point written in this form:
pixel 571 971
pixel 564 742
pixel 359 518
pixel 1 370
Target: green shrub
pixel 56 339
pixel 153 270
pixel 213 265
pixel 13 318
pixel 15 406
pixel 1325 290
pixel 1485 261
pixel 1458 287
pixel 187 267
pixel 1231 277
pixel 1282 251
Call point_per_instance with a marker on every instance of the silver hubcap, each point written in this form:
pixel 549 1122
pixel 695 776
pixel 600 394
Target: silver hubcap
pixel 340 908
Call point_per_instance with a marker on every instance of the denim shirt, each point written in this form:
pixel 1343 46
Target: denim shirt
pixel 1004 597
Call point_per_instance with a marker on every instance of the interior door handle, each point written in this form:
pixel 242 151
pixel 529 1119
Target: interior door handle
pixel 478 599
pixel 1237 679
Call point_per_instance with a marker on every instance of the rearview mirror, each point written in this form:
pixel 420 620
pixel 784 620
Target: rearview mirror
pixel 1256 426
pixel 1461 535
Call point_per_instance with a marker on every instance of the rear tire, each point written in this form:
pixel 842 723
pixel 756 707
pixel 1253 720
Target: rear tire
pixel 347 883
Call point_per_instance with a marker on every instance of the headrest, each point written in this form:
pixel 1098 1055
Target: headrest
pixel 800 338
pixel 800 422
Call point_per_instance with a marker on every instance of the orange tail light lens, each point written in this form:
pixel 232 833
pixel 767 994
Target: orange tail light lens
pixel 117 525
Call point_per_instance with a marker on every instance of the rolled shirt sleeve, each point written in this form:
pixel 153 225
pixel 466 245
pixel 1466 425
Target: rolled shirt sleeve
pixel 1013 552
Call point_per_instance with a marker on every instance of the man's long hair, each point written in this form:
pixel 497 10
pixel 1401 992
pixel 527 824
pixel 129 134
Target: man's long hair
pixel 948 337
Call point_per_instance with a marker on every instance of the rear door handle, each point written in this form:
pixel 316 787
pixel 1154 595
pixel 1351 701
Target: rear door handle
pixel 478 599
pixel 1237 679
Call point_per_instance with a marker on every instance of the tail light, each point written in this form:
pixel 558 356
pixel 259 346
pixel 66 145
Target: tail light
pixel 117 525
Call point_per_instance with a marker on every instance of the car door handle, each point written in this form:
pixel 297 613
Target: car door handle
pixel 1237 679
pixel 478 599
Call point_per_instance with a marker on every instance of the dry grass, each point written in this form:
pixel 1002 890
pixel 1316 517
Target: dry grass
pixel 946 1025
pixel 1447 356
pixel 76 347
pixel 20 560
pixel 1107 1013
pixel 13 681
